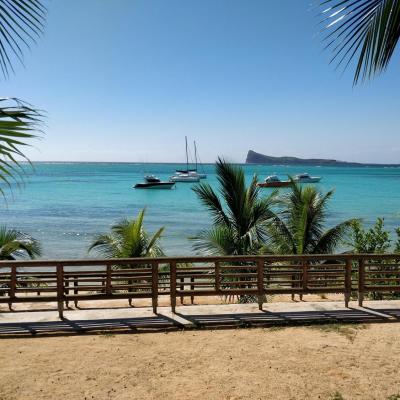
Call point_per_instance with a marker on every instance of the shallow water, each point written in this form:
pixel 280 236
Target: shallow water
pixel 66 204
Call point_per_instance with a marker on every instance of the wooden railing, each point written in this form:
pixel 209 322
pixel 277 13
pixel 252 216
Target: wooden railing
pixel 249 277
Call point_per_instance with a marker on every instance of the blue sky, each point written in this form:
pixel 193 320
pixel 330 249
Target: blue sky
pixel 126 80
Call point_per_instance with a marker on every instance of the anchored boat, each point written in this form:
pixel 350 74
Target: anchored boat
pixel 306 178
pixel 152 182
pixel 188 175
pixel 273 181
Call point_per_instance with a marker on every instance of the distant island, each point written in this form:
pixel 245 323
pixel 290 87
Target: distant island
pixel 258 158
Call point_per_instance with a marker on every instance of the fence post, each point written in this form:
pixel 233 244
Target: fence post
pixel 361 281
pixel 60 290
pixel 192 288
pixel 13 285
pixel 260 283
pixel 154 286
pixel 108 279
pixel 217 271
pixel 76 290
pixel 66 291
pixel 172 284
pixel 305 278
pixel 182 287
pixel 347 283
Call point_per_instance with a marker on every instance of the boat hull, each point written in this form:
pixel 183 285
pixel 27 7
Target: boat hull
pixel 308 180
pixel 189 179
pixel 155 185
pixel 274 184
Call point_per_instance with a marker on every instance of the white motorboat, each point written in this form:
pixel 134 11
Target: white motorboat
pixel 306 178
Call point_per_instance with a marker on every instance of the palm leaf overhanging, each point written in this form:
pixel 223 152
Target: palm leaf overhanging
pixel 128 239
pixel 240 215
pixel 21 23
pixel 19 123
pixel 363 30
pixel 299 226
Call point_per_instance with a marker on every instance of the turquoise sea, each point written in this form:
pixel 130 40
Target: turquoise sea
pixel 66 204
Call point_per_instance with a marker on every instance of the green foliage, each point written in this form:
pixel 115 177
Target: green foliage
pixel 19 123
pixel 128 239
pixel 15 245
pixel 373 240
pixel 21 23
pixel 364 30
pixel 240 215
pixel 397 244
pixel 299 227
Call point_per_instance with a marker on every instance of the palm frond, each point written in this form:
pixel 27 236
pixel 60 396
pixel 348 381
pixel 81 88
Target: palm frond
pixel 152 247
pixel 20 123
pixel 363 30
pixel 21 23
pixel 105 245
pixel 15 244
pixel 211 201
pixel 239 213
pixel 332 237
pixel 219 240
pixel 128 239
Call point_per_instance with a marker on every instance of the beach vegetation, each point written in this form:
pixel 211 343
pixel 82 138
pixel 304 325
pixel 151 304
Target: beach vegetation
pixel 373 240
pixel 17 245
pixel 240 219
pixel 239 213
pixel 128 239
pixel 299 226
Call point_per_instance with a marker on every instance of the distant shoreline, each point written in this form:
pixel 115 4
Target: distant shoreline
pixel 262 159
pixel 338 165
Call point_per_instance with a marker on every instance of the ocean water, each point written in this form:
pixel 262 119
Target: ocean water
pixel 66 204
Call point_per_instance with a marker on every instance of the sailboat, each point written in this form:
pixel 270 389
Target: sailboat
pixel 201 175
pixel 186 175
pixel 191 172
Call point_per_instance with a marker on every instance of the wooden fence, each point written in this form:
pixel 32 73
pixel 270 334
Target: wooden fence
pixel 251 278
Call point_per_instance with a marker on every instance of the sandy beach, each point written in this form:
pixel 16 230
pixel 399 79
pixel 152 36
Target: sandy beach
pixel 320 362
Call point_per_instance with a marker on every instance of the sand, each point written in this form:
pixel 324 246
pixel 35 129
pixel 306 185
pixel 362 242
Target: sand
pixel 320 362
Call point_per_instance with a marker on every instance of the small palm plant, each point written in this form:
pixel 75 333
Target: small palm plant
pixel 128 239
pixel 240 220
pixel 240 215
pixel 15 244
pixel 299 227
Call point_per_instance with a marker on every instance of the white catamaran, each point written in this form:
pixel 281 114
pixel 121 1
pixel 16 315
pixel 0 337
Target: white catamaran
pixel 188 175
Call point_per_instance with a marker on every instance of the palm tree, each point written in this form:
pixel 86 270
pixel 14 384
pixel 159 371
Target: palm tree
pixel 21 23
pixel 240 215
pixel 365 30
pixel 15 244
pixel 128 239
pixel 299 227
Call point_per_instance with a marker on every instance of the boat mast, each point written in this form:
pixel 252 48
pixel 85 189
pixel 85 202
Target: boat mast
pixel 187 157
pixel 195 154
